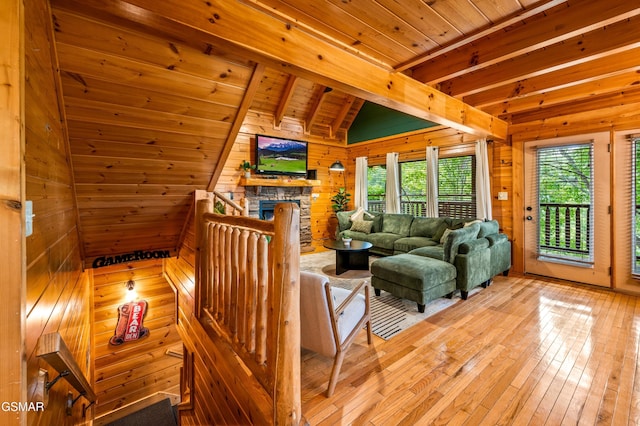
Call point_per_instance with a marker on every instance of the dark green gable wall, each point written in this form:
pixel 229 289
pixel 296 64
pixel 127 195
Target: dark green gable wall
pixel 376 121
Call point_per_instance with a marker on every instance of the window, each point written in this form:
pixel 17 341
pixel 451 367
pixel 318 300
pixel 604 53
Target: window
pixel 565 202
pixel 635 210
pixel 376 181
pixel 456 187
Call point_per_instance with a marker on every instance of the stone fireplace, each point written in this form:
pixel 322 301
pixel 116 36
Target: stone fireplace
pixel 262 200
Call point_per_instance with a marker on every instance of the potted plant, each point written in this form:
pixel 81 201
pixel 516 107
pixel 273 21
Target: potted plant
pixel 340 200
pixel 247 167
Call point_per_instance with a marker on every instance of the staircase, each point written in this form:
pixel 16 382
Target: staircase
pixel 161 413
pixel 159 409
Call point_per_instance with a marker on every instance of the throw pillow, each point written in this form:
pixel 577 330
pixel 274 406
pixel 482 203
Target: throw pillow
pixel 445 235
pixel 362 226
pixel 472 222
pixel 360 214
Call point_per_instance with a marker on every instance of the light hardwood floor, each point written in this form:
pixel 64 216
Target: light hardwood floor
pixel 523 351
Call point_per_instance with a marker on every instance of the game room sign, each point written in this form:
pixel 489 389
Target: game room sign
pixel 101 261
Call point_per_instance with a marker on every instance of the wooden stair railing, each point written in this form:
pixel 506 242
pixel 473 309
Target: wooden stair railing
pixel 54 351
pixel 224 205
pixel 247 294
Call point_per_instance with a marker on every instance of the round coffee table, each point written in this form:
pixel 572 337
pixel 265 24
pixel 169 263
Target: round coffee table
pixel 355 256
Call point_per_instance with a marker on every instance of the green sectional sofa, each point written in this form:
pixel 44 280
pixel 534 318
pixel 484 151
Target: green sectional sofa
pixel 476 248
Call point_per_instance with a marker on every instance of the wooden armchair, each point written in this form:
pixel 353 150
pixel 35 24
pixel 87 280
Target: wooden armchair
pixel 327 329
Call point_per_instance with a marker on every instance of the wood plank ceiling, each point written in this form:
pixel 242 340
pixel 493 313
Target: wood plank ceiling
pixel 154 93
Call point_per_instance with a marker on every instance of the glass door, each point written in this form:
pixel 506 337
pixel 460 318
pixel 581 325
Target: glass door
pixel 567 213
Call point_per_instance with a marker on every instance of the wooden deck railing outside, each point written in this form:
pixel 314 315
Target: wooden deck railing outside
pixel 413 205
pixel 565 229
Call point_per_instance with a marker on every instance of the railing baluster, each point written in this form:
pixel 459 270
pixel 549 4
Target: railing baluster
pixel 578 226
pixel 547 225
pixel 567 227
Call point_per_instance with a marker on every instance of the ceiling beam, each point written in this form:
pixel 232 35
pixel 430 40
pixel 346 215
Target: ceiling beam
pixel 307 56
pixel 342 114
pixel 601 43
pixel 315 108
pixel 460 45
pixel 597 69
pixel 285 99
pixel 249 94
pixel 556 25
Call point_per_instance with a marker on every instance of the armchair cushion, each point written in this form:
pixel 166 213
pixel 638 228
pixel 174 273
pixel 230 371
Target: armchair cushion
pixel 349 317
pixel 315 323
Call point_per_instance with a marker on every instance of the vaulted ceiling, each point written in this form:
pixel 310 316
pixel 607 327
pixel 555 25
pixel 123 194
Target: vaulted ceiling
pixel 155 92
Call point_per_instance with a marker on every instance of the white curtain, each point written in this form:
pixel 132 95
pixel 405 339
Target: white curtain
pixel 432 182
pixel 393 184
pixel 361 198
pixel 483 184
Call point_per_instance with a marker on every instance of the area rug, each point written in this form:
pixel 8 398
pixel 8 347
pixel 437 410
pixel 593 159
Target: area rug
pixel 389 314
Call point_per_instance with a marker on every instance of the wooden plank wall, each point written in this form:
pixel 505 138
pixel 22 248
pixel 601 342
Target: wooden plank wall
pixel 322 153
pixel 58 294
pixel 138 369
pixel 12 250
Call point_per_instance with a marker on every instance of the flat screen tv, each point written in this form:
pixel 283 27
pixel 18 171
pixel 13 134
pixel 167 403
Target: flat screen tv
pixel 279 156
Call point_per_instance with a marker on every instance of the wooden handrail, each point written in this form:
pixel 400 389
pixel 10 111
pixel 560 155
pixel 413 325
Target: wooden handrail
pixel 55 352
pixel 227 204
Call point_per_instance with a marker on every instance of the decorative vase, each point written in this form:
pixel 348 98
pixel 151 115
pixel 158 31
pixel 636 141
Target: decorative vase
pixel 247 174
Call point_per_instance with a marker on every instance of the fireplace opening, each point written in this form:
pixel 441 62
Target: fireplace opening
pixel 265 208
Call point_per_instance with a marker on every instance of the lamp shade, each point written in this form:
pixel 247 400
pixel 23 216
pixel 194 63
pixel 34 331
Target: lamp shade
pixel 337 166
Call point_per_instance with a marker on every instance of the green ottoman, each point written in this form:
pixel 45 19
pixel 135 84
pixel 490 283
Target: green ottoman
pixel 412 277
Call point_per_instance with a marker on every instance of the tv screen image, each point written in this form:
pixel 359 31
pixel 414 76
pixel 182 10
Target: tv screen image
pixel 279 156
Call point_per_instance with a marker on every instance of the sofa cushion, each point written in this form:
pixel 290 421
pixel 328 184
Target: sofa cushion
pixel 354 235
pixel 434 252
pixel 496 239
pixel 457 237
pixel 362 226
pixel 488 227
pixel 345 222
pixel 344 219
pixel 441 228
pixel 445 235
pixel 406 244
pixel 399 224
pixel 425 226
pixel 383 240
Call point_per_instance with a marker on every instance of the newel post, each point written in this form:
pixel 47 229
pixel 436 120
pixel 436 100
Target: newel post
pixel 204 204
pixel 287 322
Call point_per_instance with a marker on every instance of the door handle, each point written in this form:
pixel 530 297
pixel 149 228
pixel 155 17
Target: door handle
pixel 529 218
